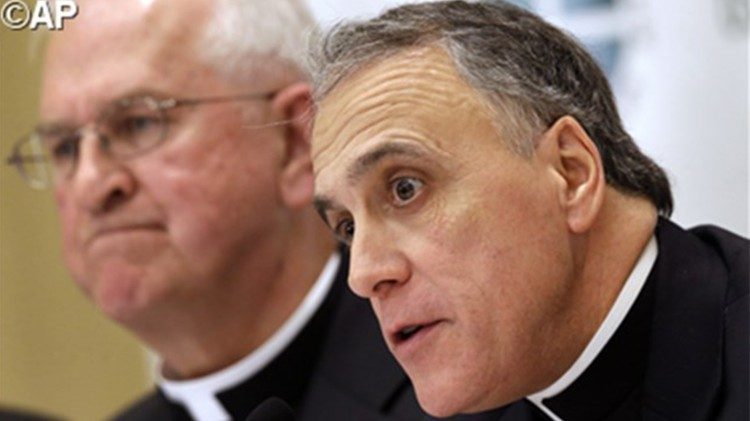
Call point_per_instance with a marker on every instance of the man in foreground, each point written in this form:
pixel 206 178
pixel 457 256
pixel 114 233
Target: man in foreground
pixel 174 135
pixel 510 235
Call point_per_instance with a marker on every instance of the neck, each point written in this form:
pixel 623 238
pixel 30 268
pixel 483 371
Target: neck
pixel 604 258
pixel 210 332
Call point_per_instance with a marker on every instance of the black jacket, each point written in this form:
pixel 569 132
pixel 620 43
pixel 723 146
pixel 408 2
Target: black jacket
pixel 682 351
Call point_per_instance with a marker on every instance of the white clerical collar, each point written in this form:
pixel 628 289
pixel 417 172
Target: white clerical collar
pixel 616 315
pixel 199 395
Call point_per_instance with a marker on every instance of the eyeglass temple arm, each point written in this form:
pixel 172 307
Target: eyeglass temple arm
pixel 18 159
pixel 213 99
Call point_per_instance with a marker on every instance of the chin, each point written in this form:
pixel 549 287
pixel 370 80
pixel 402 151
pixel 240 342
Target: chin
pixel 453 405
pixel 444 400
pixel 466 393
pixel 117 302
pixel 438 409
pixel 116 294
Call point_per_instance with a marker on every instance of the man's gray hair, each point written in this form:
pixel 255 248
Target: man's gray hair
pixel 241 31
pixel 530 72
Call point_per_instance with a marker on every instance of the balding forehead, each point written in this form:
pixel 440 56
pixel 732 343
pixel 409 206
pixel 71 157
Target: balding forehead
pixel 114 47
pixel 104 24
pixel 163 28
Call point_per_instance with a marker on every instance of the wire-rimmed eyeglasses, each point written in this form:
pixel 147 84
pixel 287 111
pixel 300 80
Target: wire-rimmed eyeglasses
pixel 126 128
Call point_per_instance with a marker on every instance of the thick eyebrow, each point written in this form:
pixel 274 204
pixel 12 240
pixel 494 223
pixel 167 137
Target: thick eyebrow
pixel 61 125
pixel 54 126
pixel 140 92
pixel 322 205
pixel 369 160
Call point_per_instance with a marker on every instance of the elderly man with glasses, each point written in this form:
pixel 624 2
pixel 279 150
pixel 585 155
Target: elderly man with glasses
pixel 174 137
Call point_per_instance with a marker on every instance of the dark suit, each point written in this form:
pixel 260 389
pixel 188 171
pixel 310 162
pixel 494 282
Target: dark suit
pixel 338 368
pixel 682 351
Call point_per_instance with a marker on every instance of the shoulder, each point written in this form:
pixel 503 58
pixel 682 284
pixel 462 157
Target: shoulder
pixel 733 252
pixel 708 254
pixel 705 313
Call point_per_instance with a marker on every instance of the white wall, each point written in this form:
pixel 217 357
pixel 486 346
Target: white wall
pixel 330 11
pixel 682 86
pixel 692 114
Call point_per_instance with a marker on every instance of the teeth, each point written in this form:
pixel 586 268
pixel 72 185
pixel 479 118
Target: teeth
pixel 408 331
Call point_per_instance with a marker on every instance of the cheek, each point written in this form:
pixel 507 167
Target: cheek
pixel 214 198
pixel 458 253
pixel 498 253
pixel 376 309
pixel 520 252
pixel 72 249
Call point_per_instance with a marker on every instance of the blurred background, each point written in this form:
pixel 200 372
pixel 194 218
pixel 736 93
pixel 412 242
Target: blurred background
pixel 680 72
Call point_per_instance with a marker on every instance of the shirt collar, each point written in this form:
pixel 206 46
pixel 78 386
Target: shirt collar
pixel 199 395
pixel 622 305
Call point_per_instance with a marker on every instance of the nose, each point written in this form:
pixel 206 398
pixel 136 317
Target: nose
pixel 100 183
pixel 377 265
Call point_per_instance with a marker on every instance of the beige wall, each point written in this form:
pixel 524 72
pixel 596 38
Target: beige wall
pixel 57 354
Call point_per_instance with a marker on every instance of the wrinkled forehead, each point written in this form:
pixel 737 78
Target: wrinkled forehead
pixel 417 93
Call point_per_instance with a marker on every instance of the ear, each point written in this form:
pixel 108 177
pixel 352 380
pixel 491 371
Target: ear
pixel 294 105
pixel 575 161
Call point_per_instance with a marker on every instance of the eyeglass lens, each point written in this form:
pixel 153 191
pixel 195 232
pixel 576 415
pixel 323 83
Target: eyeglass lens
pixel 124 130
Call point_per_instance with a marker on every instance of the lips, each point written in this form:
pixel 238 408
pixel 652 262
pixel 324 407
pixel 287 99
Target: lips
pixel 121 227
pixel 412 323
pixel 407 332
pixel 410 332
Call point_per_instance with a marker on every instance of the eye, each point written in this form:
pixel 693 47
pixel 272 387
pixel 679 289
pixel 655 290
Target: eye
pixel 344 230
pixel 64 147
pixel 134 125
pixel 405 189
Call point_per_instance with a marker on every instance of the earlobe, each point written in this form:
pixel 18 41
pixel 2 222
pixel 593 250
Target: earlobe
pixel 579 167
pixel 294 105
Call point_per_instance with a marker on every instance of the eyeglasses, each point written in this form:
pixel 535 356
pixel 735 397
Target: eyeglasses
pixel 125 129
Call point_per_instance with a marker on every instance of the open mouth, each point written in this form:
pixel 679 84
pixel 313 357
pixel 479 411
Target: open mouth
pixel 408 332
